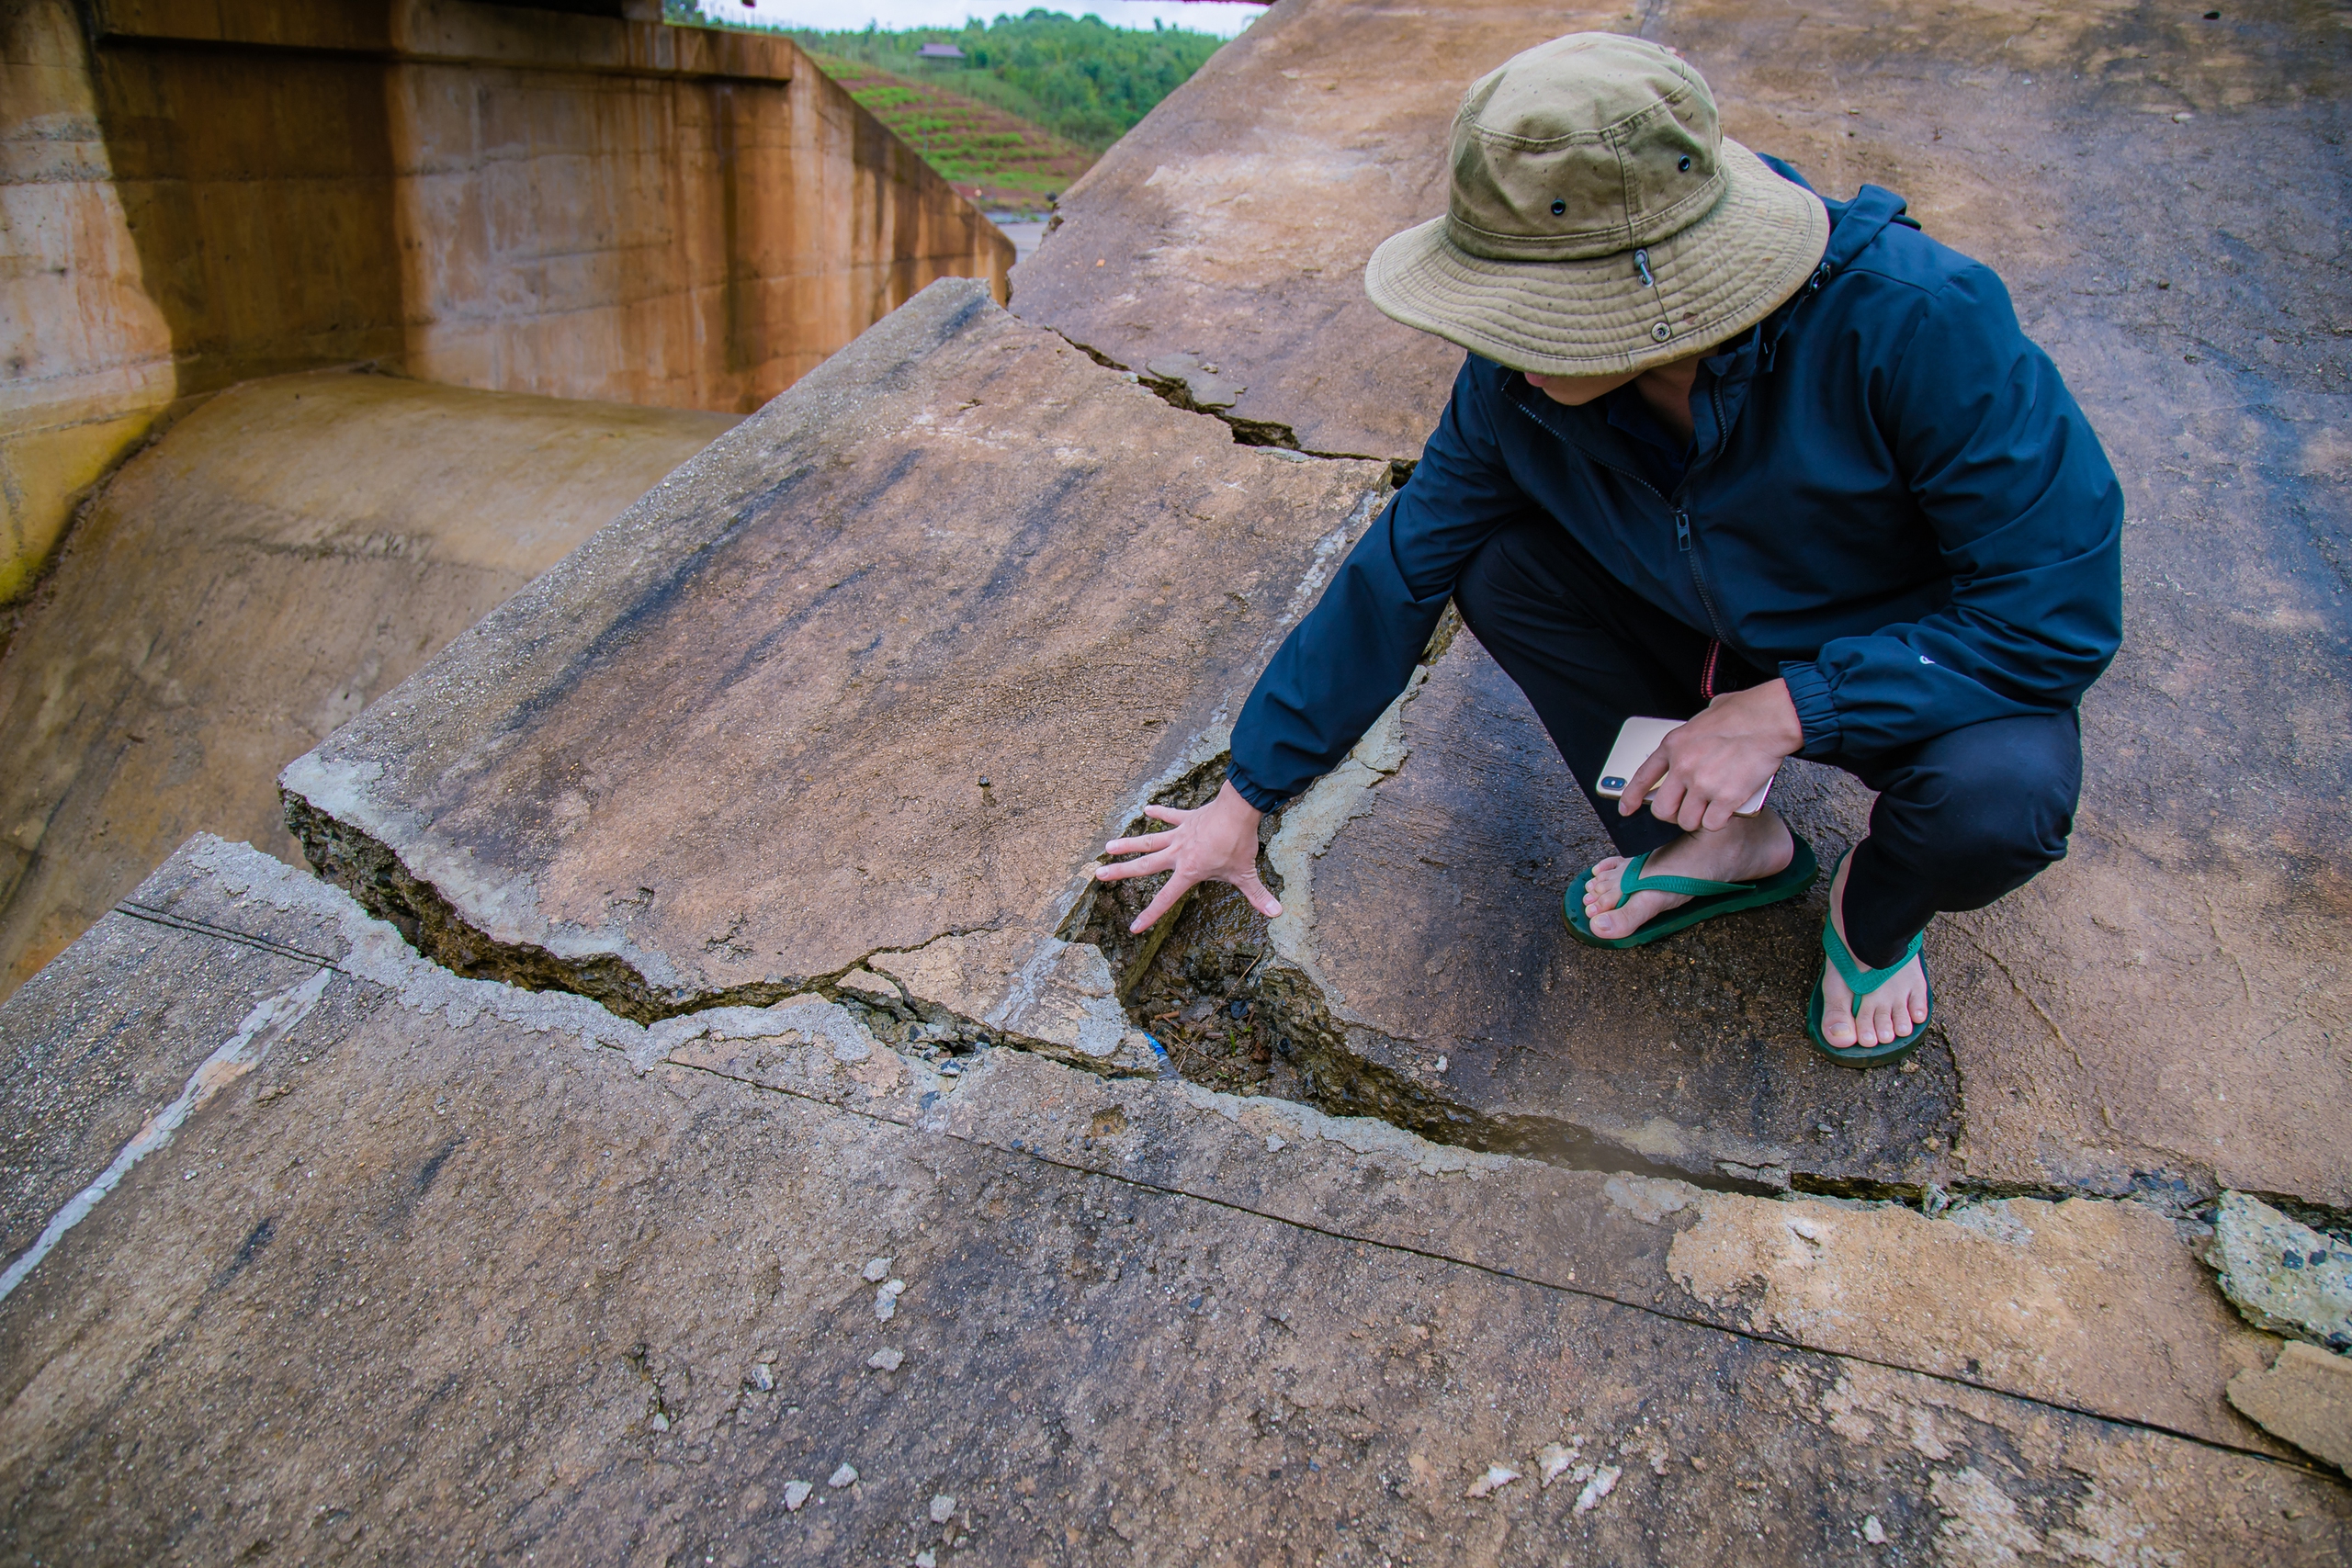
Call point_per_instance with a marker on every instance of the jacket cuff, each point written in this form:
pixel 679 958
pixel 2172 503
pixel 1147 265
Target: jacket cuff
pixel 1809 688
pixel 1265 800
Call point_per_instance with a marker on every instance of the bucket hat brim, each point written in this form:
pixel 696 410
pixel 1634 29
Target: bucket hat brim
pixel 1715 279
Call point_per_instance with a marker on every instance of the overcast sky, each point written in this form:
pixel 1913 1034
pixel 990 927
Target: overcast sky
pixel 1200 16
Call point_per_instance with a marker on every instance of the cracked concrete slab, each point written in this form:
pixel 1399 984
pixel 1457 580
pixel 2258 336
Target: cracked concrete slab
pixel 880 667
pixel 271 564
pixel 2163 1013
pixel 549 1303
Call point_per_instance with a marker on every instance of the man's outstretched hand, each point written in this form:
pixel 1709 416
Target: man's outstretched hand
pixel 1705 771
pixel 1218 842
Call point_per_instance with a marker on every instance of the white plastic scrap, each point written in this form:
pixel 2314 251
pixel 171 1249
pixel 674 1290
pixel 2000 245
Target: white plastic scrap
pixel 1497 1476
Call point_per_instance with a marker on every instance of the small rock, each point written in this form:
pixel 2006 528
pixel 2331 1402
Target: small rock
pixel 1603 1482
pixel 660 1423
pixel 1554 1460
pixel 795 1493
pixel 2305 1397
pixel 886 1305
pixel 2183 117
pixel 2285 1278
pixel 943 1508
pixel 1872 1532
pixel 877 1270
pixel 894 1288
pixel 885 1360
pixel 844 1476
pixel 764 1378
pixel 1497 1476
pixel 925 1560
pixel 1274 1145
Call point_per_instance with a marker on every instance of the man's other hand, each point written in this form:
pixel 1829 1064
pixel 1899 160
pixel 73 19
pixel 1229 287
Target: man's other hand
pixel 1218 842
pixel 1705 772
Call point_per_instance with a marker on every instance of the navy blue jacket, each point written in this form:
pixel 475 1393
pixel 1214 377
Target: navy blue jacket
pixel 1890 497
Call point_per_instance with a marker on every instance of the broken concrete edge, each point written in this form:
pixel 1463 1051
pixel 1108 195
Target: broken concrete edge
pixel 2284 1276
pixel 2304 1397
pixel 1027 1012
pixel 1187 390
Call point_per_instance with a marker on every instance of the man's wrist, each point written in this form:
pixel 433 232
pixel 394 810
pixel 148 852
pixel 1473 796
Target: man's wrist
pixel 1788 727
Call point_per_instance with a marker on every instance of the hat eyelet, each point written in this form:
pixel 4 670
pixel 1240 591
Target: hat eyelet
pixel 1660 332
pixel 1559 208
pixel 1685 164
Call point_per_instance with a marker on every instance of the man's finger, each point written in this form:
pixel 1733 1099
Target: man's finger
pixel 1178 886
pixel 1646 776
pixel 1119 871
pixel 1141 841
pixel 1159 813
pixel 1668 802
pixel 1262 902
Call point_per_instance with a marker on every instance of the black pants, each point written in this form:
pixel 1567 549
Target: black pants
pixel 1961 817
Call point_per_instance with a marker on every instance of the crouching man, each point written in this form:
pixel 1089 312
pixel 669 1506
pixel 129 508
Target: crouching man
pixel 1721 451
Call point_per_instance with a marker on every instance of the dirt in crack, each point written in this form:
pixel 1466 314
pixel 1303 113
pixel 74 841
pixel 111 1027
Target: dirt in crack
pixel 1233 1015
pixel 1192 981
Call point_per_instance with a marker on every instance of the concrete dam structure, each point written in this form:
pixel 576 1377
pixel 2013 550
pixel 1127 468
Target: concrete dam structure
pixel 697 1105
pixel 590 208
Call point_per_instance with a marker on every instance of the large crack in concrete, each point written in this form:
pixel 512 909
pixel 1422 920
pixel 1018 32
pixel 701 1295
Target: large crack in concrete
pixel 1195 386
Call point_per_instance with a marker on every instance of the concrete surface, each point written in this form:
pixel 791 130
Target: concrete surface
pixel 2305 1397
pixel 2163 1012
pixel 254 578
pixel 529 1286
pixel 745 1135
pixel 881 666
pixel 518 199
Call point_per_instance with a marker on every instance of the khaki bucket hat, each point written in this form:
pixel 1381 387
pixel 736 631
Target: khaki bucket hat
pixel 1599 221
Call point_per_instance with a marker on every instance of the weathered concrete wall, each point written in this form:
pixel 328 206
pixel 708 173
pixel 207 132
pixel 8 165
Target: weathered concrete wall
pixel 85 355
pixel 253 578
pixel 511 199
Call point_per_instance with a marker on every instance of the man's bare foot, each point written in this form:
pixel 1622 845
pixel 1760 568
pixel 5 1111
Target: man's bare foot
pixel 1748 849
pixel 1887 1014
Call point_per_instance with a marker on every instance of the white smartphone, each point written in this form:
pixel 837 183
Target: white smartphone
pixel 1636 742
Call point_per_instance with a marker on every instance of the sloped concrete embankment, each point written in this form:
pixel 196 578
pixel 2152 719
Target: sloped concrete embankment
pixel 751 1285
pixel 2156 1016
pixel 255 577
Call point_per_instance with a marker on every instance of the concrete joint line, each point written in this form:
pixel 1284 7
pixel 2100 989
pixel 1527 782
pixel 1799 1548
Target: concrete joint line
pixel 267 1025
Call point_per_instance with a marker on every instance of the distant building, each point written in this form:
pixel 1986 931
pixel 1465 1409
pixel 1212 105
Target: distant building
pixel 939 51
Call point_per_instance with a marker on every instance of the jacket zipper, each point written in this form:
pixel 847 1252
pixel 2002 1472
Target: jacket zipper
pixel 1681 517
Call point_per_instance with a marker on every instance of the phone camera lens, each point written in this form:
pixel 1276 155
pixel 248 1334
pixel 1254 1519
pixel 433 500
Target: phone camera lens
pixel 1612 784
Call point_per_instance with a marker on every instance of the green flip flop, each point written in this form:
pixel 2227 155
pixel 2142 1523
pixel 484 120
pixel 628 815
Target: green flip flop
pixel 1708 899
pixel 1861 982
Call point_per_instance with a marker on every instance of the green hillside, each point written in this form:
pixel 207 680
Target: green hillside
pixel 1076 76
pixel 1003 162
